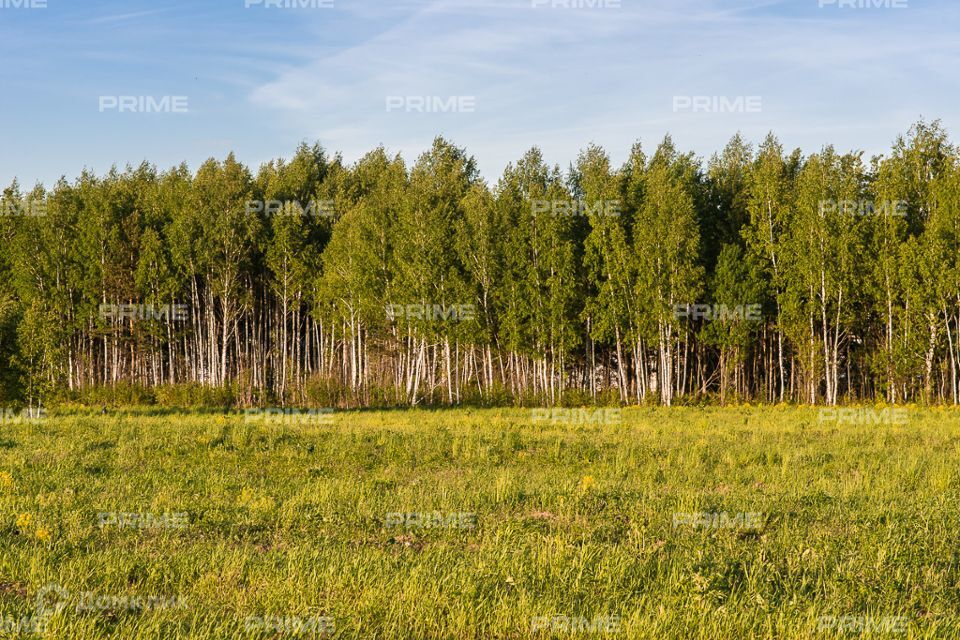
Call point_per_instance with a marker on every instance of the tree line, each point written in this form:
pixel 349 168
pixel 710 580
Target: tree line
pixel 756 275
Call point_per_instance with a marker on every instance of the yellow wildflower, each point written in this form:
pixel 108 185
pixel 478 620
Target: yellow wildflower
pixel 246 496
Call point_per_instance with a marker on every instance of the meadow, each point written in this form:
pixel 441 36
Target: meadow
pixel 740 522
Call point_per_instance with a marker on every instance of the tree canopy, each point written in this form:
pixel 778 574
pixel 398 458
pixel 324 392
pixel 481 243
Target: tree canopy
pixel 755 275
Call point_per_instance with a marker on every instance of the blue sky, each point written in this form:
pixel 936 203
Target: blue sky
pixel 259 80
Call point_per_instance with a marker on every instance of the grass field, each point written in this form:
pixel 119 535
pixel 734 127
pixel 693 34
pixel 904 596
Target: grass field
pixel 673 523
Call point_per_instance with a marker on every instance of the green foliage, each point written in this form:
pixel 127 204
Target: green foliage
pixel 568 282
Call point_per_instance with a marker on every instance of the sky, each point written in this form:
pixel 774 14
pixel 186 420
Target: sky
pixel 494 76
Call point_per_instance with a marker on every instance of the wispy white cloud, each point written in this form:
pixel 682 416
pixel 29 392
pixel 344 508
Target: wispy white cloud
pixel 552 77
pixel 559 77
pixel 123 17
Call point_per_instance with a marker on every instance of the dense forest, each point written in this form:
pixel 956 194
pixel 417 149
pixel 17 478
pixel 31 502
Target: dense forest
pixel 317 282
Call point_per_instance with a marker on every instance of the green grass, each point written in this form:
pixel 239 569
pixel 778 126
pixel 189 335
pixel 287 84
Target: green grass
pixel 290 520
